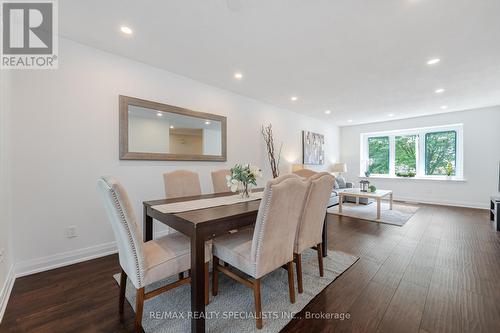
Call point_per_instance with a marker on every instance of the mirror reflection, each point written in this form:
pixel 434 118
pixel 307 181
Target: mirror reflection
pixel 154 131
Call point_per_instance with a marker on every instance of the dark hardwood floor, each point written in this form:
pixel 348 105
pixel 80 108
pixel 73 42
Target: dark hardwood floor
pixel 438 273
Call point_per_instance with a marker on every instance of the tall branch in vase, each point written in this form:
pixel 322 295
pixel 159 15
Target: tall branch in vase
pixel 274 160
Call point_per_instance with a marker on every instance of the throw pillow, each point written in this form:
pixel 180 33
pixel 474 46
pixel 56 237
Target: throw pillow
pixel 336 185
pixel 341 181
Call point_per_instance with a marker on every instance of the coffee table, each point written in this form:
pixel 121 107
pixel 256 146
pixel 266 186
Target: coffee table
pixel 356 192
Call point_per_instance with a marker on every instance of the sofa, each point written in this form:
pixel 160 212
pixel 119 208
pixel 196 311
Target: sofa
pixel 340 185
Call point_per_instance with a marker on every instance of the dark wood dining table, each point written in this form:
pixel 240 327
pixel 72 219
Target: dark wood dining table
pixel 201 225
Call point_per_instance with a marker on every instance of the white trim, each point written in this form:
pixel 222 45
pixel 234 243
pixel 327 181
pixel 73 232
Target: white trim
pixel 6 290
pixel 42 264
pixel 434 178
pixel 444 203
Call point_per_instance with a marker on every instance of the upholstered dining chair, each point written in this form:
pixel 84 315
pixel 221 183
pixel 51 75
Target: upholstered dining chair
pixel 304 173
pixel 219 180
pixel 149 262
pixel 265 248
pixel 310 227
pixel 181 183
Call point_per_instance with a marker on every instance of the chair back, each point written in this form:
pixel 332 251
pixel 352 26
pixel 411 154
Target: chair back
pixel 181 183
pixel 310 227
pixel 127 232
pixel 279 213
pixel 219 180
pixel 305 173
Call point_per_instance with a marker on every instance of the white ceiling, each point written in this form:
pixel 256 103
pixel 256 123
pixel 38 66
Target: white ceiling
pixel 361 59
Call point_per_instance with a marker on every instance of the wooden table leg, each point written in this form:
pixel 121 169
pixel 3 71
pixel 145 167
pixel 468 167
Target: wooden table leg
pixel 390 201
pixel 340 203
pixel 378 208
pixel 197 282
pixel 324 236
pixel 148 225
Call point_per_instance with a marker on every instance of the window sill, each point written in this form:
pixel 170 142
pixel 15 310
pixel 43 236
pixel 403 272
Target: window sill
pixel 442 179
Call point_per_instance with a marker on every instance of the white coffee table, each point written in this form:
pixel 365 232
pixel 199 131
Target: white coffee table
pixel 356 192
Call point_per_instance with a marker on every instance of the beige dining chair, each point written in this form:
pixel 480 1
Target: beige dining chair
pixel 149 262
pixel 219 180
pixel 181 183
pixel 310 228
pixel 265 248
pixel 304 173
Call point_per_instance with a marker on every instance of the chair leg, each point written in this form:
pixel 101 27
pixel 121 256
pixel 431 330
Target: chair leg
pixel 320 259
pixel 139 305
pixel 215 276
pixel 181 275
pixel 207 278
pixel 258 304
pixel 123 287
pixel 291 285
pixel 298 262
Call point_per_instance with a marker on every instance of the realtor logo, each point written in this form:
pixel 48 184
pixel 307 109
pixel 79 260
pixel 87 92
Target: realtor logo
pixel 29 35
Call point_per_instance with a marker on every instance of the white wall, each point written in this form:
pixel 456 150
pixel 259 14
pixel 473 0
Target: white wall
pixel 65 135
pixel 6 271
pixel 481 157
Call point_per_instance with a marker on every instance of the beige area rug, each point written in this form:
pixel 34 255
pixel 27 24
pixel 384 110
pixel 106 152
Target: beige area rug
pixel 232 310
pixel 399 215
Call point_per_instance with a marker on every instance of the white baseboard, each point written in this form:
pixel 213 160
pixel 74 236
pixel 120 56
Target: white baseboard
pixel 6 290
pixel 445 203
pixel 38 265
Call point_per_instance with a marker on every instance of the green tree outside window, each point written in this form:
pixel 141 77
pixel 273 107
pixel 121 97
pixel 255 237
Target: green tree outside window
pixel 440 153
pixel 406 156
pixel 378 153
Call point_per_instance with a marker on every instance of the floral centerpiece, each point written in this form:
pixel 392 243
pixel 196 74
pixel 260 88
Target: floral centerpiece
pixel 242 177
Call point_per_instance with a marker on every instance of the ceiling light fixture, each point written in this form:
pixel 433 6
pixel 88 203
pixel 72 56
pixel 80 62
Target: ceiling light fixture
pixel 444 107
pixel 238 76
pixel 391 114
pixel 328 111
pixel 159 114
pixel 207 122
pixel 439 91
pixel 294 98
pixel 126 30
pixel 433 61
pixel 349 121
pixel 171 126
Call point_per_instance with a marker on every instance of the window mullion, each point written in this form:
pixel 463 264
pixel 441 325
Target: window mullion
pixel 392 156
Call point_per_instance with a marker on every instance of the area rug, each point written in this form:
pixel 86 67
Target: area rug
pixel 399 215
pixel 232 310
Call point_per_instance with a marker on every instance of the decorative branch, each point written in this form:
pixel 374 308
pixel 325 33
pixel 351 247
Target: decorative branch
pixel 274 160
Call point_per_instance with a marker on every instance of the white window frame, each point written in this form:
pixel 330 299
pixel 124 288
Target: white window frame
pixel 420 162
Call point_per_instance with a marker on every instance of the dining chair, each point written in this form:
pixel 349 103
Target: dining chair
pixel 149 262
pixel 310 227
pixel 267 247
pixel 181 183
pixel 304 173
pixel 219 180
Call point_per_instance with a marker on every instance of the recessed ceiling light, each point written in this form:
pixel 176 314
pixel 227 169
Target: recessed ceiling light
pixel 391 114
pixel 444 107
pixel 439 91
pixel 159 114
pixel 126 30
pixel 349 121
pixel 328 111
pixel 294 98
pixel 238 76
pixel 171 126
pixel 207 122
pixel 433 61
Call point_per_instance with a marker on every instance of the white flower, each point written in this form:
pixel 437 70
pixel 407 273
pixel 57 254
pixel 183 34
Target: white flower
pixel 256 171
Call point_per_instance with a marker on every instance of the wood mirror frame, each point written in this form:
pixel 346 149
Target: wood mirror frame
pixel 125 154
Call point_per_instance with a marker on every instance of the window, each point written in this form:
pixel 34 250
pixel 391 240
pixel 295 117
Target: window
pixel 406 156
pixel 378 153
pixel 432 152
pixel 440 153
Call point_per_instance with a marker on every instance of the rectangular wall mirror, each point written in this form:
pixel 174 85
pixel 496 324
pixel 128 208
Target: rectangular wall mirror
pixel 155 131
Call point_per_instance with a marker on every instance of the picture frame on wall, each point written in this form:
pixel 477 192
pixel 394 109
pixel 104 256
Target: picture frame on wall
pixel 313 148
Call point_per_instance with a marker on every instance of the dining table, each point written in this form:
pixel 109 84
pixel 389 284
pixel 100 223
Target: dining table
pixel 191 217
